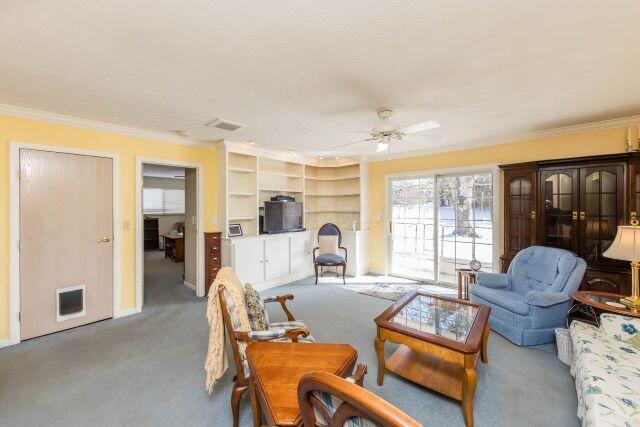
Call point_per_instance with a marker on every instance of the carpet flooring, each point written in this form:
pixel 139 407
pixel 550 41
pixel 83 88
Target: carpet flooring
pixel 146 369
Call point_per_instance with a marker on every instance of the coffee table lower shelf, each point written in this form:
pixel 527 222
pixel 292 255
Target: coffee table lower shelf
pixel 427 370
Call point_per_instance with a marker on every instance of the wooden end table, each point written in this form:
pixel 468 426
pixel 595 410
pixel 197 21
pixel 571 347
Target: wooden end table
pixel 276 369
pixel 591 304
pixel 441 341
pixel 466 277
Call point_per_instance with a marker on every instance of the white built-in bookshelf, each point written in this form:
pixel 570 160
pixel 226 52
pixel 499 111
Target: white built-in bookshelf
pixel 330 191
pixel 332 194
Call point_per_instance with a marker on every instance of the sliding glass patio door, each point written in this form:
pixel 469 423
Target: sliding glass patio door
pixel 440 223
pixel 412 228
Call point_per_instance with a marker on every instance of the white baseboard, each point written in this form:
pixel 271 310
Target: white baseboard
pixel 379 273
pixel 127 312
pixel 190 286
pixel 5 343
pixel 263 286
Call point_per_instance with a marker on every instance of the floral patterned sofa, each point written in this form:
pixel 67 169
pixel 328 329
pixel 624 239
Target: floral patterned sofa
pixel 606 367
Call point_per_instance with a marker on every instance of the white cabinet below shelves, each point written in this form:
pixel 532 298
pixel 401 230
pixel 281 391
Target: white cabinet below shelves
pixel 276 263
pixel 250 260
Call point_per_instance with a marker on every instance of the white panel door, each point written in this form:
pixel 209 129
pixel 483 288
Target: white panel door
pixel 300 256
pixel 66 232
pixel 248 260
pixel 276 257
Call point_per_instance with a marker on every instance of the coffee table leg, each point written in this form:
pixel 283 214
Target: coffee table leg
pixel 379 345
pixel 255 404
pixel 469 382
pixel 485 340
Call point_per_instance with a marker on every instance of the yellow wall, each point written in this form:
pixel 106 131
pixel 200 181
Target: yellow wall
pixel 584 144
pixel 32 131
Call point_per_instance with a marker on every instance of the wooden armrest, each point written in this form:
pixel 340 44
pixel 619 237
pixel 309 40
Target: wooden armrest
pixel 282 299
pixel 317 248
pixel 242 335
pixel 294 333
pixel 345 252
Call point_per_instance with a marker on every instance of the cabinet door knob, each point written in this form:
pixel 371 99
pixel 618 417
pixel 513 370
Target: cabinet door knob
pixel 533 214
pixel 582 216
pixel 574 215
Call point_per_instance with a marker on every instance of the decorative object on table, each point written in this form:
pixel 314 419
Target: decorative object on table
pixel 329 247
pixel 626 247
pixel 605 368
pixel 227 310
pixel 533 298
pixel 441 341
pixel 466 278
pixel 234 230
pixel 327 400
pixel 475 265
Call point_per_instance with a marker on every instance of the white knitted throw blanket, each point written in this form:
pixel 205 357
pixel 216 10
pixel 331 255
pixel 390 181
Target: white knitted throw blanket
pixel 216 364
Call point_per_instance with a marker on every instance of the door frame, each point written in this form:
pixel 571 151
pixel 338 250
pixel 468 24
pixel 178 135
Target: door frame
pixel 14 227
pixel 199 167
pixel 497 203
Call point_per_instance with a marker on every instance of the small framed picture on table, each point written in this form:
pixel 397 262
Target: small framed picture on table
pixel 234 230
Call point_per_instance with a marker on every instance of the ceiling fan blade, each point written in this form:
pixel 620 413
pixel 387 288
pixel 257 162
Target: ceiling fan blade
pixel 352 143
pixel 421 127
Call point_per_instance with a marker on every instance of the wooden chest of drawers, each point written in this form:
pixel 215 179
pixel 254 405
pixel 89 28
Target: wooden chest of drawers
pixel 212 258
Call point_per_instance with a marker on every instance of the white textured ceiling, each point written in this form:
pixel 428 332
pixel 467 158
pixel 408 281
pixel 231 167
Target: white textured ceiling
pixel 306 75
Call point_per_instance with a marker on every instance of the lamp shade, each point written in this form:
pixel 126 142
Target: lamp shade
pixel 626 245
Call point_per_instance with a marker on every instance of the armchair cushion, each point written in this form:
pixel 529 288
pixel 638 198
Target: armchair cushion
pixel 329 259
pixel 545 299
pixel 286 326
pixel 492 280
pixel 328 245
pixel 258 317
pixel 509 300
pixel 267 335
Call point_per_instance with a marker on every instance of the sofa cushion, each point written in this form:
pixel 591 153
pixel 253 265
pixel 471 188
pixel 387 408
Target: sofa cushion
pixel 619 327
pixel 510 300
pixel 538 268
pixel 329 259
pixel 606 374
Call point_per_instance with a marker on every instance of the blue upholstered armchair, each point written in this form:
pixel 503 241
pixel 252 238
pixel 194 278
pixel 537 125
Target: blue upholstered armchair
pixel 533 298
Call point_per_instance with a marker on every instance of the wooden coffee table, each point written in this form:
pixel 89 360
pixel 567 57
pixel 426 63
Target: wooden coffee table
pixel 276 369
pixel 441 341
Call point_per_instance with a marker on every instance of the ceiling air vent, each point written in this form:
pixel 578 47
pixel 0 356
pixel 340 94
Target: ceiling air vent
pixel 225 125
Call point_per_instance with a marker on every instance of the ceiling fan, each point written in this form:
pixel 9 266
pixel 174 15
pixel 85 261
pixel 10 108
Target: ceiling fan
pixel 388 131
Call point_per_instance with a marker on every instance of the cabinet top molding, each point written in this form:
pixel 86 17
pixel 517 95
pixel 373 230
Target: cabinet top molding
pixel 574 160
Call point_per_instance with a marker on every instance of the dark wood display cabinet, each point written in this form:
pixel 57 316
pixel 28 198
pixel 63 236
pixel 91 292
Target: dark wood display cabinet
pixel 212 258
pixel 575 204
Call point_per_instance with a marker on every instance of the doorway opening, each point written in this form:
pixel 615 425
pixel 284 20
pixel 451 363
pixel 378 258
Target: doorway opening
pixel 169 210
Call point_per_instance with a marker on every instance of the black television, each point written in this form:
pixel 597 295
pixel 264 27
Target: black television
pixel 282 216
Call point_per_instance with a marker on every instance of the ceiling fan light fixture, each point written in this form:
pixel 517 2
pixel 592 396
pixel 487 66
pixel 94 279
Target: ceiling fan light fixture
pixel 382 146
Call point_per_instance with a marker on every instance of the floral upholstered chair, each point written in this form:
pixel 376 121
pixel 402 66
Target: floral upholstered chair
pixel 261 329
pixel 606 367
pixel 330 401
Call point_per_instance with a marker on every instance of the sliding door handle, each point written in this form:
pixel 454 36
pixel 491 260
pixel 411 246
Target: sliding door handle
pixel 104 239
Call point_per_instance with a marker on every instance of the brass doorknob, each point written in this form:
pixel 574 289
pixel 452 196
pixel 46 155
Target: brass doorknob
pixel 105 239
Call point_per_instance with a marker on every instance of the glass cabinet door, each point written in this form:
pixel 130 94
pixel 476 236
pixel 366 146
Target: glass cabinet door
pixel 559 189
pixel 520 207
pixel 601 210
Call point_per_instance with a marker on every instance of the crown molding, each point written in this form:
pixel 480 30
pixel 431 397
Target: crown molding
pixel 523 137
pixel 62 119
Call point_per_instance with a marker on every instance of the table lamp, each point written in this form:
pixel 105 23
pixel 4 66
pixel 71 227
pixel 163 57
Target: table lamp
pixel 626 247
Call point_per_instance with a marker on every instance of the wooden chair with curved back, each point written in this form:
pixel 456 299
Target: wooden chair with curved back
pixel 334 259
pixel 241 378
pixel 331 401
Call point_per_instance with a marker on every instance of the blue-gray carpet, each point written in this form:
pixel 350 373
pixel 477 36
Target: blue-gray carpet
pixel 146 369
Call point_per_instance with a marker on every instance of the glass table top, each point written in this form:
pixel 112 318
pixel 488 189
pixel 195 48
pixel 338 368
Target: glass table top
pixel 435 316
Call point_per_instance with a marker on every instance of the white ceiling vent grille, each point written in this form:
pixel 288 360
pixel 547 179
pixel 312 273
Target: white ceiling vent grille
pixel 225 125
